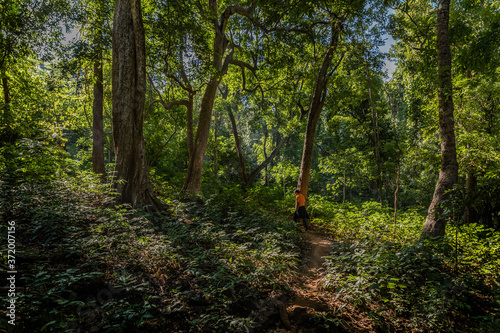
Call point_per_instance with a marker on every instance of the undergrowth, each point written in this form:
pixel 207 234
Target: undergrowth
pixel 87 265
pixel 402 283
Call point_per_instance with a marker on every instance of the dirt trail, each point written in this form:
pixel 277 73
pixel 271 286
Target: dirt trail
pixel 308 298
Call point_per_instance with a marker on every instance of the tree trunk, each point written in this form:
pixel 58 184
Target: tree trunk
pixel 350 189
pixel 246 178
pixel 216 120
pixel 471 184
pixel 192 182
pixel 343 189
pixel 98 166
pixel 129 94
pixel 268 160
pixel 375 138
pixel 7 136
pixel 238 146
pixel 264 151
pixel 396 192
pixel 6 98
pixel 435 223
pixel 315 108
pixel 189 123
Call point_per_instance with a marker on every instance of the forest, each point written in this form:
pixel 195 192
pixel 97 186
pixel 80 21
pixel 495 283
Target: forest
pixel 150 151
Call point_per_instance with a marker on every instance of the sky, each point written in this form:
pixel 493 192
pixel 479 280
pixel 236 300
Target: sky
pixel 390 66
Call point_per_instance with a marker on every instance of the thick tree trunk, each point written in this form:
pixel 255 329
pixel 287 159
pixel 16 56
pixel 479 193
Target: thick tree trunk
pixel 98 166
pixel 435 223
pixel 315 108
pixel 129 94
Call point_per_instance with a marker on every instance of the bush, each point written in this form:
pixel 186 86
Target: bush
pixel 382 268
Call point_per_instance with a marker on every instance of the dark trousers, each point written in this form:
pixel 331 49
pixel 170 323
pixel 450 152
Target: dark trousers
pixel 301 214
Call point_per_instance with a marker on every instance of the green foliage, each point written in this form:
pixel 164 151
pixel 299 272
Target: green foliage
pixel 403 283
pixel 368 220
pixel 229 256
pixel 203 265
pixel 413 283
pixel 107 267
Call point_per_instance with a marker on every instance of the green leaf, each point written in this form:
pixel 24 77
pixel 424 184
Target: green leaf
pixel 47 325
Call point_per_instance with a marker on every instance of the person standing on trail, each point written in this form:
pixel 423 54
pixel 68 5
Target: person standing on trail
pixel 300 208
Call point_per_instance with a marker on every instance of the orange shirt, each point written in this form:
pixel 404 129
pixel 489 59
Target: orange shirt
pixel 299 197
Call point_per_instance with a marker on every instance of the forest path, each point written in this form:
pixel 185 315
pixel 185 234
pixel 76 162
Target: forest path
pixel 309 297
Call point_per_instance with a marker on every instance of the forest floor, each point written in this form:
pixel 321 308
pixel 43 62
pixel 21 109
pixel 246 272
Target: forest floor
pixel 310 299
pixel 308 296
pixel 202 268
pixel 86 265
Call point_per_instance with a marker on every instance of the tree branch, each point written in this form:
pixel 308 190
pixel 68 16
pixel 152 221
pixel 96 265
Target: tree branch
pixel 243 65
pixel 166 106
pixel 162 147
pixel 267 160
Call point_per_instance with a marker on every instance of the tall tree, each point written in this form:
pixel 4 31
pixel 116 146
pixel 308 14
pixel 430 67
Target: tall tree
pixel 316 104
pixel 376 136
pixel 129 93
pixel 220 63
pixel 435 224
pixel 98 165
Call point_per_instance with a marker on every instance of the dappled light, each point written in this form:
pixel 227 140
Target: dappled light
pixel 250 166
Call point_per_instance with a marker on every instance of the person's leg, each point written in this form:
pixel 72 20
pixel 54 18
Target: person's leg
pixel 303 215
